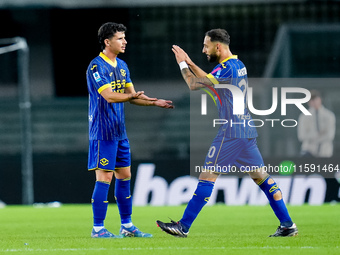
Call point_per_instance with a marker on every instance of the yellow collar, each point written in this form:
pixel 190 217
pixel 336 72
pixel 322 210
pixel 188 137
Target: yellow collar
pixel 109 61
pixel 231 57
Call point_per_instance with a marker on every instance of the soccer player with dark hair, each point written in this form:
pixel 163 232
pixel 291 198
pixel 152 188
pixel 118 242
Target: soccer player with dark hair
pixel 109 86
pixel 233 144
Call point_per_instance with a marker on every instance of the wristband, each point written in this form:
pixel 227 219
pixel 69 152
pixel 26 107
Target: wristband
pixel 183 65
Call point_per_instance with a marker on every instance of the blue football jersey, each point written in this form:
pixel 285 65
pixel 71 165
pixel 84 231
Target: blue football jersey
pixel 233 72
pixel 106 120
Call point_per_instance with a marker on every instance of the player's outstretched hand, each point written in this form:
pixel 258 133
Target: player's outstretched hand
pixel 137 94
pixel 164 103
pixel 145 97
pixel 181 55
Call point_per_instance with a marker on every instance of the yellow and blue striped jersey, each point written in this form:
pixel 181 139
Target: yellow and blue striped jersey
pixel 233 72
pixel 106 120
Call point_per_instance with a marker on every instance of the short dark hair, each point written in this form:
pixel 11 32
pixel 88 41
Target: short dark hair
pixel 107 31
pixel 219 35
pixel 314 94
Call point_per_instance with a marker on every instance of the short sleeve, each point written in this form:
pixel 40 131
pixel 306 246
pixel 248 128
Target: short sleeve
pixel 220 74
pixel 99 75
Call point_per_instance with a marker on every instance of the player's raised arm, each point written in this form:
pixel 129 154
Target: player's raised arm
pixel 196 77
pixel 193 67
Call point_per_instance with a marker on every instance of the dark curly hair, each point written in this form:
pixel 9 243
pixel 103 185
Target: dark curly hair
pixel 219 35
pixel 107 31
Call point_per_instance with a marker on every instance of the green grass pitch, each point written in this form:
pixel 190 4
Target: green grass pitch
pixel 218 229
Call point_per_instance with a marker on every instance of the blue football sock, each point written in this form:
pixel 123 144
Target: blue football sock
pixel 124 199
pixel 99 202
pixel 198 200
pixel 274 195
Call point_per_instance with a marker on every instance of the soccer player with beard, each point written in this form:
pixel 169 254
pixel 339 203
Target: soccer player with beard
pixel 233 144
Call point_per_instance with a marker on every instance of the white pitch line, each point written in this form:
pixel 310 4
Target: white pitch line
pixel 51 250
pixel 160 248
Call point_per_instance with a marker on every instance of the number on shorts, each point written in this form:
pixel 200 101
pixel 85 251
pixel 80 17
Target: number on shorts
pixel 212 151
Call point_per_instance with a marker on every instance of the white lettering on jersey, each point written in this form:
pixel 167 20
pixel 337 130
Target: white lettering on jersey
pixel 242 72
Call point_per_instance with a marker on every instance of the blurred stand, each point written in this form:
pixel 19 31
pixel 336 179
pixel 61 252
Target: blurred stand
pixel 316 131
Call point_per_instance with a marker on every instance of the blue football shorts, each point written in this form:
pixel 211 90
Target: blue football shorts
pixel 109 155
pixel 227 154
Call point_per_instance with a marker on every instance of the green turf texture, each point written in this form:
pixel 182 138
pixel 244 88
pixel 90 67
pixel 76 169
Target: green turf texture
pixel 218 229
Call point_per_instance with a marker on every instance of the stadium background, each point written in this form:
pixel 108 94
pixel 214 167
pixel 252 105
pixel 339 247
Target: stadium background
pixel 62 40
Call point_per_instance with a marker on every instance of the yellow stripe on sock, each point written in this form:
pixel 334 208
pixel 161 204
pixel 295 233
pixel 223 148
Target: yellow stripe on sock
pixel 263 180
pixel 104 182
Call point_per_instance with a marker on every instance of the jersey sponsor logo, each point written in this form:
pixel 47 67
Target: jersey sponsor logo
pixel 242 72
pixel 97 77
pixel 104 161
pixel 118 86
pixel 122 72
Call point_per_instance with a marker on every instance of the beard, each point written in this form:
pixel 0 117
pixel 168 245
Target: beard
pixel 212 58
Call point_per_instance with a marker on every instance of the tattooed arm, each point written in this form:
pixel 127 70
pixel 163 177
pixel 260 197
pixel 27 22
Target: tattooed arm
pixel 193 82
pixel 195 77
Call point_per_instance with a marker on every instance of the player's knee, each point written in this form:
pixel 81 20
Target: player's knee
pixel 257 180
pixel 208 176
pixel 258 176
pixel 123 173
pixel 104 176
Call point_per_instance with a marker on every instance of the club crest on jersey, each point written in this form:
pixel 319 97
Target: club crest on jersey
pixel 97 77
pixel 122 72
